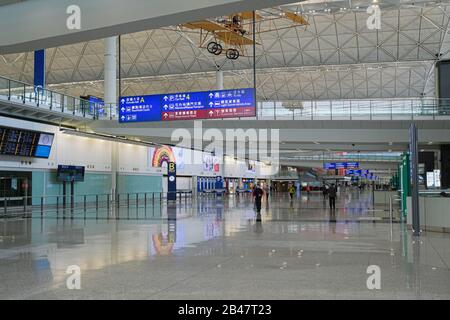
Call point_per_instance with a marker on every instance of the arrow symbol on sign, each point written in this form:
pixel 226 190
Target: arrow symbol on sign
pixel 123 100
pixel 211 113
pixel 165 98
pixel 211 95
pixel 165 106
pixel 123 109
pixel 123 118
pixel 165 115
pixel 211 104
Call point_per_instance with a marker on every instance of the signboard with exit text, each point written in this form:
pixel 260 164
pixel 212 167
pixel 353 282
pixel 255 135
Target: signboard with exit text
pixel 215 104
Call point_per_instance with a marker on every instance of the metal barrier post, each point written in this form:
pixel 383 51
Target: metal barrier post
pixel 42 206
pixel 5 203
pixel 84 203
pixel 350 109
pixel 137 200
pixel 107 203
pixel 118 200
pixel 128 200
pixel 96 202
pixel 390 215
pixel 145 200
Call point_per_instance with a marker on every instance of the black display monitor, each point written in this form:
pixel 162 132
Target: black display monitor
pixel 70 173
pixel 25 143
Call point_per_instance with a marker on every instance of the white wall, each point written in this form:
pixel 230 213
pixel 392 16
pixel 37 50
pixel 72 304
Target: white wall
pixel 95 155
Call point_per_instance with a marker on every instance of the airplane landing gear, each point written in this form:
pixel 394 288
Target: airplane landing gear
pixel 232 54
pixel 214 48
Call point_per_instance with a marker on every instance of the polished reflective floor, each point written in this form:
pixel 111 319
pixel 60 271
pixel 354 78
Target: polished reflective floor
pixel 214 248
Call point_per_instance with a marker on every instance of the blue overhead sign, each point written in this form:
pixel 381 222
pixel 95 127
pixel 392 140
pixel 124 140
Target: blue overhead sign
pixel 340 165
pixel 352 165
pixel 188 106
pixel 329 166
pixel 96 106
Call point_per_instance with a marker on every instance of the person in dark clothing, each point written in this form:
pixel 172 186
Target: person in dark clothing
pixel 324 191
pixel 258 194
pixel 332 196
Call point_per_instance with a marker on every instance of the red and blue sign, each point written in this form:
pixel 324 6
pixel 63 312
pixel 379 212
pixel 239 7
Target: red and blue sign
pixel 340 165
pixel 188 106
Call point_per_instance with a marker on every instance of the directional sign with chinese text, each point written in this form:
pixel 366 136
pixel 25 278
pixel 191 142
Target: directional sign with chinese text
pixel 188 106
pixel 340 165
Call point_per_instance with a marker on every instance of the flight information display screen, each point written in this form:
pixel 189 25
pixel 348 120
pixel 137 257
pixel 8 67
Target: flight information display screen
pixel 25 143
pixel 70 173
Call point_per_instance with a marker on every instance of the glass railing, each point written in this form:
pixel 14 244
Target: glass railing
pixel 29 95
pixel 375 109
pixel 380 109
pixel 345 158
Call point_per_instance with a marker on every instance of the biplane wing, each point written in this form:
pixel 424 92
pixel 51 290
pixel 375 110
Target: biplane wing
pixel 205 25
pixel 233 38
pixel 295 18
pixel 248 15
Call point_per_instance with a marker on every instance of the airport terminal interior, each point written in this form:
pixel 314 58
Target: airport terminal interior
pixel 245 149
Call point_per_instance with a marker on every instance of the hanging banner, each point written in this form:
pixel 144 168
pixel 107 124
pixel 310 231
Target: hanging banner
pixel 39 70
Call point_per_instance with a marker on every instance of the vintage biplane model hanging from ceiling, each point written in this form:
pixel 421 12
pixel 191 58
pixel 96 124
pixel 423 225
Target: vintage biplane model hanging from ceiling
pixel 232 35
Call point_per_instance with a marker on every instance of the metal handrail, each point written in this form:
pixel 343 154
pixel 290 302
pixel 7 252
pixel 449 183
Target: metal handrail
pixel 353 109
pixel 69 201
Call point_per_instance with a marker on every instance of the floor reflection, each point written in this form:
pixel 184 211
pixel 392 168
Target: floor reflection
pixel 299 249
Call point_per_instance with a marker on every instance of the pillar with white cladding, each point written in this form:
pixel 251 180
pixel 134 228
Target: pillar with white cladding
pixel 110 77
pixel 219 80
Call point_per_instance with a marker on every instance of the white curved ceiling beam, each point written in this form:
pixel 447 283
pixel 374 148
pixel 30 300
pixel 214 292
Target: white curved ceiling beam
pixel 40 24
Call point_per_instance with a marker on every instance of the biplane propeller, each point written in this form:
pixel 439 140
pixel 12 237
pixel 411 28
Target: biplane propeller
pixel 231 35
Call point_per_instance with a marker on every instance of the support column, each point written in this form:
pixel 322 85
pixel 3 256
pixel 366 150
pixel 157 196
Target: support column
pixel 413 149
pixel 194 187
pixel 110 76
pixel 114 168
pixel 445 166
pixel 219 80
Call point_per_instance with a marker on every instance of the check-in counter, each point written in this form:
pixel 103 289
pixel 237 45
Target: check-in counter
pixel 434 213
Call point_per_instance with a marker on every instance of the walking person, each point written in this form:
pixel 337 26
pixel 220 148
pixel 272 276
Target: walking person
pixel 258 194
pixel 332 196
pixel 291 191
pixel 267 191
pixel 324 191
